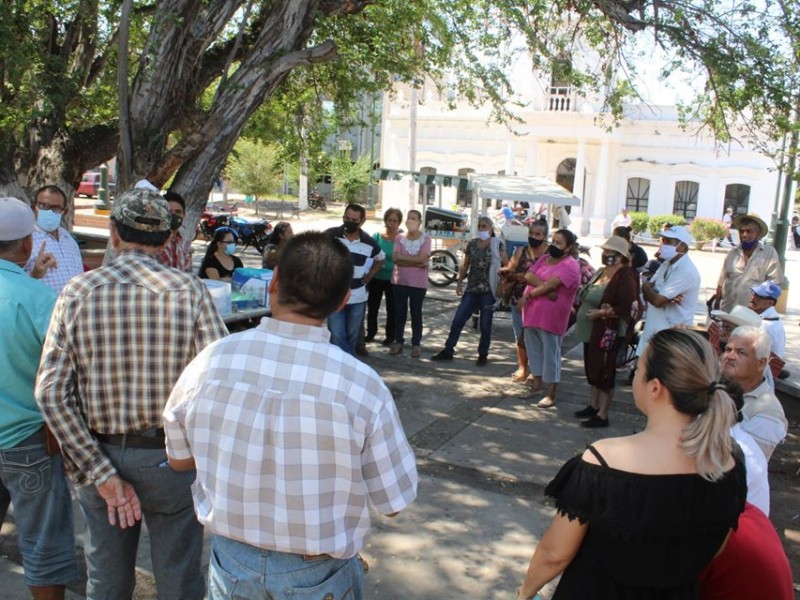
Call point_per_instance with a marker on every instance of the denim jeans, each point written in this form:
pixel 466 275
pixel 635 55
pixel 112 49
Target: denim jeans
pixel 403 295
pixel 470 302
pixel 35 483
pixel 176 536
pixel 344 326
pixel 378 288
pixel 239 571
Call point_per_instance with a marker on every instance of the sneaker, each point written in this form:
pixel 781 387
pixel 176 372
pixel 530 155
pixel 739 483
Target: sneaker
pixel 416 351
pixel 589 411
pixel 595 422
pixel 481 362
pixel 442 355
pixel 396 349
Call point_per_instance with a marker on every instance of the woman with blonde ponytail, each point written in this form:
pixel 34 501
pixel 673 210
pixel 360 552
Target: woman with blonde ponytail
pixel 639 517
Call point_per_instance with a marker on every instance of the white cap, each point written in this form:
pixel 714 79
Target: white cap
pixel 679 233
pixel 17 220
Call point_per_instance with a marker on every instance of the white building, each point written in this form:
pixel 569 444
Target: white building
pixel 647 163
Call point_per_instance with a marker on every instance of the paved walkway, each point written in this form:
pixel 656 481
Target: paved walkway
pixel 484 457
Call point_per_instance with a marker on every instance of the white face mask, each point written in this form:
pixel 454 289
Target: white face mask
pixel 412 226
pixel 668 252
pixel 484 235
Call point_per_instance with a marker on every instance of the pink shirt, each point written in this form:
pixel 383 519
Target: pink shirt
pixel 411 276
pixel 552 315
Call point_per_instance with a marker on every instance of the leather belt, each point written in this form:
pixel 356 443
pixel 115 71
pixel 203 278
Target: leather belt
pixel 151 439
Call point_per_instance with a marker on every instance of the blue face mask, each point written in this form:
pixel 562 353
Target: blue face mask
pixel 48 220
pixel 230 249
pixel 749 245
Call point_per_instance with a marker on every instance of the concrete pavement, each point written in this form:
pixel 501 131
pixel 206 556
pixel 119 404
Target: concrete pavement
pixel 484 456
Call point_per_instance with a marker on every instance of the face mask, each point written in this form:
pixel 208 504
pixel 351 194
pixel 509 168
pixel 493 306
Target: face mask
pixel 668 252
pixel 484 235
pixel 230 249
pixel 48 220
pixel 555 251
pixel 412 227
pixel 351 226
pixel 745 245
pixel 609 260
pixel 534 242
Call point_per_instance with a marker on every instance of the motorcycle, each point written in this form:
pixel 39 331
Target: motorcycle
pixel 251 232
pixel 317 201
pixel 210 222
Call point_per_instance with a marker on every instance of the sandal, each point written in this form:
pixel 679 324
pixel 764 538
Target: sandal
pixel 546 402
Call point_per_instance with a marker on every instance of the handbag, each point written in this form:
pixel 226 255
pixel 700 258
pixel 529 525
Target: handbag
pixel 608 338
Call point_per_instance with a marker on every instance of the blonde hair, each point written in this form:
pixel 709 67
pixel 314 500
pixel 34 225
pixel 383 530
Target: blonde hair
pixel 686 365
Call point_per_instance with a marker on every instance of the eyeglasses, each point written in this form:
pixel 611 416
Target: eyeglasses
pixel 56 209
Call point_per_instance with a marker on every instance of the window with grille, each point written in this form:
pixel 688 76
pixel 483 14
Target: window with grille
pixel 637 194
pixel 685 201
pixel 737 195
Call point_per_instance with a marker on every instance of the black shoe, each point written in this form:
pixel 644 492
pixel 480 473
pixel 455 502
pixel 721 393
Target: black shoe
pixel 387 342
pixel 442 355
pixel 481 362
pixel 595 422
pixel 369 338
pixel 361 351
pixel 589 411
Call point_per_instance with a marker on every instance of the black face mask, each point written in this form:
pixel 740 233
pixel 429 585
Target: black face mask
pixel 555 251
pixel 535 243
pixel 609 260
pixel 351 226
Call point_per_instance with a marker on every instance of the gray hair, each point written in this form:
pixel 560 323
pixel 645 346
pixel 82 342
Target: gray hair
pixel 760 338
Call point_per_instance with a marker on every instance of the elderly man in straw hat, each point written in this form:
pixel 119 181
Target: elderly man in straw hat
pixel 747 265
pixel 119 339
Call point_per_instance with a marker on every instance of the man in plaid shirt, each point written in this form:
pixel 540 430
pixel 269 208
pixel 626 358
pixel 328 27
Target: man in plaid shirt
pixel 294 440
pixel 118 340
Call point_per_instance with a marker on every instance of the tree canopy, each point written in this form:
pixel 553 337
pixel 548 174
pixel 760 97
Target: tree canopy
pixel 173 101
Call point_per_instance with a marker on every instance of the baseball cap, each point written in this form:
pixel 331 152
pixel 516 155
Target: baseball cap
pixel 678 232
pixel 143 210
pixel 768 289
pixel 739 315
pixel 17 220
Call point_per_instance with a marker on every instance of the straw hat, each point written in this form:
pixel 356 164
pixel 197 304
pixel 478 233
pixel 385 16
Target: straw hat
pixel 736 223
pixel 740 315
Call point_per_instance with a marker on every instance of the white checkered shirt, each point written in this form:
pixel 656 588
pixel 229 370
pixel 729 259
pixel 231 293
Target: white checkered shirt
pixel 66 252
pixel 119 338
pixel 293 440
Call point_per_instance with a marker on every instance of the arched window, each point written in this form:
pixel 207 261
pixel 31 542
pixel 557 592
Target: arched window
pixel 737 195
pixel 427 189
pixel 464 196
pixel 637 194
pixel 565 173
pixel 685 201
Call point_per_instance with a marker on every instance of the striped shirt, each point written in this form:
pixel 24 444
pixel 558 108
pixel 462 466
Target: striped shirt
pixel 293 440
pixel 66 252
pixel 365 252
pixel 119 339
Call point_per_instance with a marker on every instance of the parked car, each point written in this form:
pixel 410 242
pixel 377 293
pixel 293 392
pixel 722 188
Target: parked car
pixel 90 183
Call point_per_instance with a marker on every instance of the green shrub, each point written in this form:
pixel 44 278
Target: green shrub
pixel 704 229
pixel 639 221
pixel 656 223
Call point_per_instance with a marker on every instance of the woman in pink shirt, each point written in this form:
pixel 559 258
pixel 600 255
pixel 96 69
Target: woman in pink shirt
pixel 410 280
pixel 546 302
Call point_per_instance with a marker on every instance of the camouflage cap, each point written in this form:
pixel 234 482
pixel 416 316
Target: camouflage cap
pixel 142 210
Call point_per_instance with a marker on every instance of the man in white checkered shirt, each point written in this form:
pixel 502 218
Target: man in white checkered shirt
pixel 294 440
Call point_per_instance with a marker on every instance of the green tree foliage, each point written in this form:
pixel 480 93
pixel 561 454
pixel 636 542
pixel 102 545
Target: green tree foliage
pixel 704 229
pixel 639 221
pixel 350 179
pixel 254 168
pixel 657 222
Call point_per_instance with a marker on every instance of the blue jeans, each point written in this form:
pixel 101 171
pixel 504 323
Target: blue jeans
pixel 470 302
pixel 176 536
pixel 345 324
pixel 239 571
pixel 403 295
pixel 35 483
